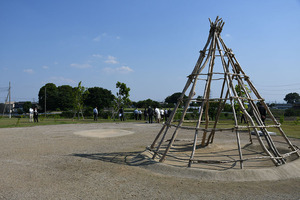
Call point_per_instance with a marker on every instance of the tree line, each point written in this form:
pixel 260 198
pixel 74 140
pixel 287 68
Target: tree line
pixel 79 99
pixel 65 98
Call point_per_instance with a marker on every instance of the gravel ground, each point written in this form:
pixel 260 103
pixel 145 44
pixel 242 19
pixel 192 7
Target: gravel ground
pixel 51 162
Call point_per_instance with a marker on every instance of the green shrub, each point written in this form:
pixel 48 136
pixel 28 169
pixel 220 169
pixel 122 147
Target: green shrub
pixel 296 121
pixel 104 114
pixel 18 122
pixel 54 116
pixel 281 119
pixel 88 112
pixel 292 112
pixel 67 114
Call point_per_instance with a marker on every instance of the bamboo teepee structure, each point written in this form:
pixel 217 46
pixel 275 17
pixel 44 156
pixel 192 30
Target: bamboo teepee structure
pixel 235 88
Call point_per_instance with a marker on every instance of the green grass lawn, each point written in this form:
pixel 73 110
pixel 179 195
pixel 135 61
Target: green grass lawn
pixel 24 122
pixel 291 128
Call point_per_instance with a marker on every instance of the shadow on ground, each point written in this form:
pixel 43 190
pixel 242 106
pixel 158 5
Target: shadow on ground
pixel 123 158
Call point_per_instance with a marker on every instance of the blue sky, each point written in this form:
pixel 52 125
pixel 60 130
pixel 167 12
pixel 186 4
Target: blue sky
pixel 152 46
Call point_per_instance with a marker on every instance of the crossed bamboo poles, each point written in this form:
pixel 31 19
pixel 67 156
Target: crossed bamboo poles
pixel 232 71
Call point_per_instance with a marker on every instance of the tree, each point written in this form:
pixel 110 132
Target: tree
pixel 213 108
pixel 174 98
pixel 97 96
pixel 122 98
pixel 26 106
pixel 80 93
pixel 146 103
pixel 51 97
pixel 198 103
pixel 292 98
pixel 65 97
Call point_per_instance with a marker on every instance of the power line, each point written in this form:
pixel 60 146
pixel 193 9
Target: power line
pixel 286 85
pixel 282 89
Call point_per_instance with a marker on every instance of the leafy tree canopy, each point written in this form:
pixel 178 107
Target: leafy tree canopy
pixel 65 98
pixel 26 106
pixel 146 103
pixel 174 98
pixel 51 97
pixel 97 96
pixel 292 98
pixel 122 98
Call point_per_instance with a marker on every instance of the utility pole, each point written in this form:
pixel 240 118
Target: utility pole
pixel 9 101
pixel 45 102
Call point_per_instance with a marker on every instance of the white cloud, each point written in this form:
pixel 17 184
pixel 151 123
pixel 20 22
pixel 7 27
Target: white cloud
pixel 45 67
pixel 108 70
pixel 119 70
pixel 28 71
pixel 80 66
pixel 102 36
pixel 227 35
pixel 97 55
pixel 61 80
pixel 111 60
pixel 124 69
pixel 99 37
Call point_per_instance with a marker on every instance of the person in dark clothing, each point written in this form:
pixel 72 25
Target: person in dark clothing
pixel 145 114
pixel 150 115
pixel 243 119
pixel 136 114
pixel 263 112
pixel 121 114
pixel 36 115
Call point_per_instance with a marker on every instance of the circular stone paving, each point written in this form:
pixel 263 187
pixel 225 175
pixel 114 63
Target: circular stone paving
pixel 103 133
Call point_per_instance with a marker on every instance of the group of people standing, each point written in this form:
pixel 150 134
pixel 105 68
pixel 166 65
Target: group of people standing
pixel 150 113
pixel 137 114
pixel 158 114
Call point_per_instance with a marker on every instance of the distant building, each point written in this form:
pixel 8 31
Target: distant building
pixel 282 106
pixel 15 106
pixel 4 107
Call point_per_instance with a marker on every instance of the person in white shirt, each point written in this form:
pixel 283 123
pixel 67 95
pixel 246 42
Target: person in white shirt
pixel 162 112
pixel 158 117
pixel 95 111
pixel 30 114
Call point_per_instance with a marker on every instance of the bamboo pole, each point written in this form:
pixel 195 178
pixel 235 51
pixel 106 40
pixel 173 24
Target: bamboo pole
pixel 229 56
pixel 259 121
pixel 273 119
pixel 207 88
pixel 180 122
pixel 190 80
pixel 205 99
pixel 230 78
pixel 220 107
pixel 263 128
pixel 198 68
pixel 231 88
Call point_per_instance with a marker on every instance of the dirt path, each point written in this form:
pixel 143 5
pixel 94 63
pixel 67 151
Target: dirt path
pixel 51 162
